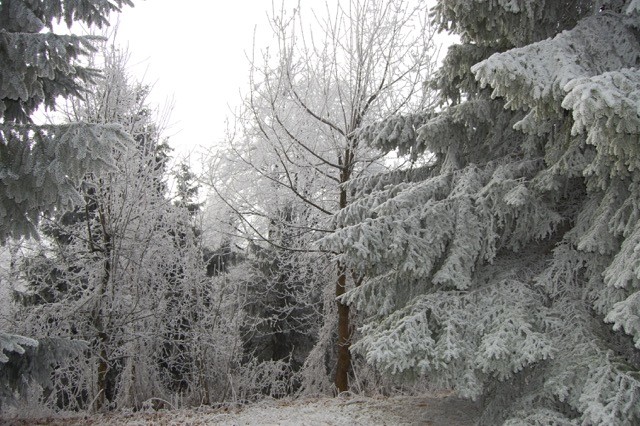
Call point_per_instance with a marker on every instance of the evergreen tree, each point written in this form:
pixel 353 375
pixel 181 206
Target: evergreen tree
pixel 187 189
pixel 41 165
pixel 284 309
pixel 505 267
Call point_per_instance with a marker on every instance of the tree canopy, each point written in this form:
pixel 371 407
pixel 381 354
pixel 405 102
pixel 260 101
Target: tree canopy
pixel 296 143
pixel 499 258
pixel 41 165
pixel 506 267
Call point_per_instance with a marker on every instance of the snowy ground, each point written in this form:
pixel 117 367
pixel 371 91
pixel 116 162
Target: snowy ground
pixel 404 410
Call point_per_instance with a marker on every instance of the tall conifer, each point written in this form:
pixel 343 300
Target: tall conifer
pixel 506 267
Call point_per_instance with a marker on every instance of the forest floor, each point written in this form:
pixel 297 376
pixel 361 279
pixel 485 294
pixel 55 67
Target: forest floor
pixel 433 410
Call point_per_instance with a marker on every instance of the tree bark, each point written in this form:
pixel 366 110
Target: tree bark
pixel 344 335
pixel 343 363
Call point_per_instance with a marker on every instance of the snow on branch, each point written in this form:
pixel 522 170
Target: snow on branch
pixel 42 166
pixel 13 343
pixel 536 76
pixel 607 108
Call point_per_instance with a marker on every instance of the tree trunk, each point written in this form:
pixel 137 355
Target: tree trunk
pixel 344 335
pixel 344 330
pixel 99 320
pixel 103 369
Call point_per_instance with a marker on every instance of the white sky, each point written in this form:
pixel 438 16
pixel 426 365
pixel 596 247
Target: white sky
pixel 194 53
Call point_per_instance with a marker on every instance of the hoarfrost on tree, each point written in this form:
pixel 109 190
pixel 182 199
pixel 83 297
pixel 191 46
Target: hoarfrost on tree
pixel 505 266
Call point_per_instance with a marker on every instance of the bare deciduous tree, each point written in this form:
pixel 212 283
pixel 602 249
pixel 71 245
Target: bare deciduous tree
pixel 296 141
pixel 125 273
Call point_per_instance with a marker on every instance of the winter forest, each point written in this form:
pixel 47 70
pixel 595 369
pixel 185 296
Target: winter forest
pixel 380 219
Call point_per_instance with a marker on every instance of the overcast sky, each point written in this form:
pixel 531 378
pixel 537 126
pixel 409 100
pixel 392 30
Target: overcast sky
pixel 194 52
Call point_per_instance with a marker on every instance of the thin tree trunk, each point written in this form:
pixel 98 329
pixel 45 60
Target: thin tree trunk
pixel 103 369
pixel 103 337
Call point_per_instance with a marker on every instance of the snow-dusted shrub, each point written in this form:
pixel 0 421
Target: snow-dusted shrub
pixel 255 380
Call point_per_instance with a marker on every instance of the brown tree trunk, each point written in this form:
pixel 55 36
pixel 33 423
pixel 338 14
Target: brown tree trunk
pixel 344 330
pixel 344 335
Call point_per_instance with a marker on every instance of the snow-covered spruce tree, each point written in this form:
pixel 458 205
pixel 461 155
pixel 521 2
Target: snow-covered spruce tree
pixel 278 281
pixel 187 189
pixel 329 77
pixel 284 307
pixel 506 267
pixel 41 164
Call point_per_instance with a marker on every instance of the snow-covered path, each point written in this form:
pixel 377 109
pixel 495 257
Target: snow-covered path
pixel 401 410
